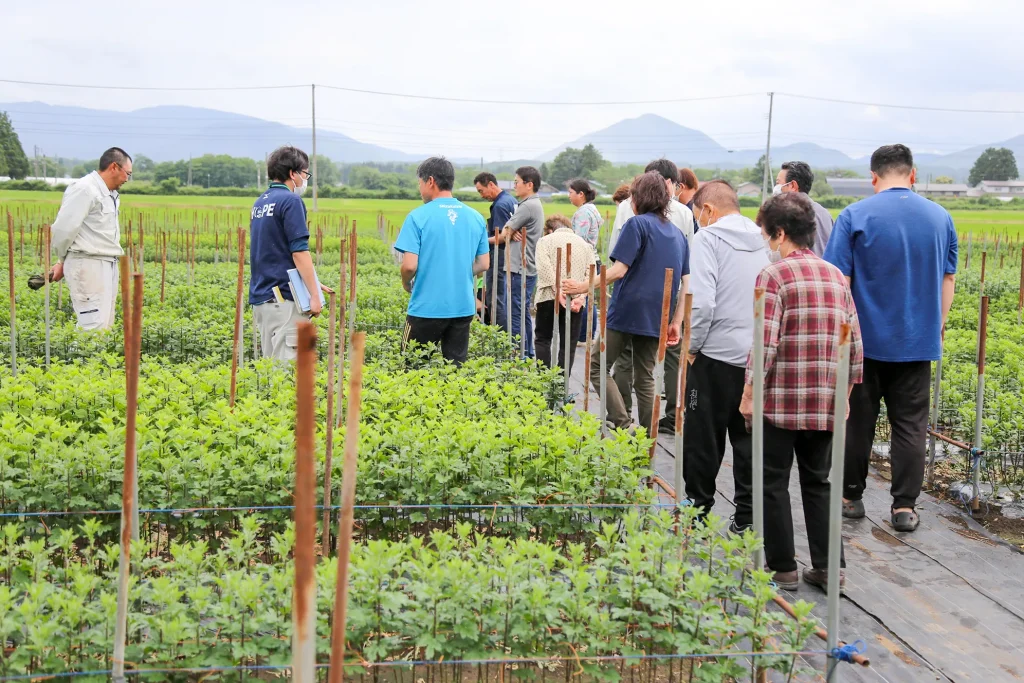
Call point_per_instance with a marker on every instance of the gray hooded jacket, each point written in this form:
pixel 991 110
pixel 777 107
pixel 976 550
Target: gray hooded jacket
pixel 726 260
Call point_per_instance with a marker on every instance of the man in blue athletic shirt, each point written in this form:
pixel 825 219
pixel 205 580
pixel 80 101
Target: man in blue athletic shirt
pixel 899 251
pixel 279 241
pixel 444 248
pixel 503 205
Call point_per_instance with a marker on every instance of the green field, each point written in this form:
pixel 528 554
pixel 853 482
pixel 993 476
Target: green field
pixel 994 222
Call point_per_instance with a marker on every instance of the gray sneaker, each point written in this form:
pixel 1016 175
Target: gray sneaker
pixel 819 578
pixel 853 509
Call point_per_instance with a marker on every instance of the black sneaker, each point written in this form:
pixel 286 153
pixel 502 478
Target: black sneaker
pixel 735 528
pixel 666 426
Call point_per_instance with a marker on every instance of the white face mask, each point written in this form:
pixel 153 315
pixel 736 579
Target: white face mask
pixel 300 189
pixel 774 255
pixel 777 190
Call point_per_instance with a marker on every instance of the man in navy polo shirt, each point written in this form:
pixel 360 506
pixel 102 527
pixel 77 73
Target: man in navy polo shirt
pixel 899 251
pixel 503 205
pixel 279 241
pixel 444 247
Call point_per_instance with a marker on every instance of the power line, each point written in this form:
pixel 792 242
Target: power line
pixel 901 106
pixel 144 87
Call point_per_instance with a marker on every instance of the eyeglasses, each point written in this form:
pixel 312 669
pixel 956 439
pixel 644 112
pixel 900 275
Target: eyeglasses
pixel 127 172
pixel 306 174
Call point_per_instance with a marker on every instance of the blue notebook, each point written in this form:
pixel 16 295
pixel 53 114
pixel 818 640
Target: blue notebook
pixel 299 292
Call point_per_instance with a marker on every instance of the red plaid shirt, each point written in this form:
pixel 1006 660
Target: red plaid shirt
pixel 806 301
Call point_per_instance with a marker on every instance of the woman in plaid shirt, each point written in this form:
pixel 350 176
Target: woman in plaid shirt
pixel 806 302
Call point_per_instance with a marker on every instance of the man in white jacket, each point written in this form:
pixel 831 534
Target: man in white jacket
pixel 87 239
pixel 728 254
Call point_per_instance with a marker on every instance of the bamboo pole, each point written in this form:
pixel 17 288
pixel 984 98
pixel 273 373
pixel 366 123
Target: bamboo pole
pixel 352 252
pixel 659 365
pixel 508 288
pixel 568 343
pixel 555 332
pixel 340 376
pixel 835 518
pixel 932 444
pixel 1020 288
pixel 10 280
pixel 348 497
pixel 590 339
pixel 684 353
pixel 495 265
pixel 522 295
pixel 757 424
pixel 325 538
pixel 304 596
pixel 128 488
pixel 46 288
pixel 236 345
pixel 163 267
pixel 603 352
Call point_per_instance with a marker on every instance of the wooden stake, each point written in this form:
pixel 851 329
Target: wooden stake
pixel 684 366
pixel 304 597
pixel 348 495
pixel 163 267
pixel 659 366
pixel 344 341
pixel 10 280
pixel 46 288
pixel 590 339
pixel 325 538
pixel 236 345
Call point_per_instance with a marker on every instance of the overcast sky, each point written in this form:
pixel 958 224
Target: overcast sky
pixel 938 53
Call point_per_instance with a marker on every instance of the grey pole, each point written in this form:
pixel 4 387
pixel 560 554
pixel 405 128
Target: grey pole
pixel 494 284
pixel 684 353
pixel 522 296
pixel 835 503
pixel 603 349
pixel 315 176
pixel 508 289
pixel 555 336
pixel 979 405
pixel 765 188
pixel 932 441
pixel 757 423
pixel 46 285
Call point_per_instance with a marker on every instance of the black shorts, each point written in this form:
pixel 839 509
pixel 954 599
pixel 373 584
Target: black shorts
pixel 451 334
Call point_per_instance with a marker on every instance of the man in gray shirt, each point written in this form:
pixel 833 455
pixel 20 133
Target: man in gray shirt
pixel 527 222
pixel 796 176
pixel 87 239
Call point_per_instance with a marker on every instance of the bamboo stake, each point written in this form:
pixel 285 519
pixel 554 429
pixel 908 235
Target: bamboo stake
pixel 325 540
pixel 352 251
pixel 757 423
pixel 522 295
pixel 590 339
pixel 10 280
pixel 237 340
pixel 348 496
pixel 128 492
pixel 508 288
pixel 570 344
pixel 684 366
pixel 979 406
pixel 1020 289
pixel 659 366
pixel 304 596
pixel 603 353
pixel 46 288
pixel 835 518
pixel 340 376
pixel 555 332
pixel 163 267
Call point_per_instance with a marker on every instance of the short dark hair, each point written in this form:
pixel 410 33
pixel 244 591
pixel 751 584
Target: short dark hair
pixel 892 159
pixel 688 179
pixel 284 160
pixel 665 168
pixel 801 173
pixel 528 174
pixel 792 213
pixel 114 155
pixel 440 169
pixel 649 194
pixel 581 185
pixel 719 192
pixel 485 178
pixel 621 194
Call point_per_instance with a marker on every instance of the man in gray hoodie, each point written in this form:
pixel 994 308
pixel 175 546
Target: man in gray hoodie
pixel 728 254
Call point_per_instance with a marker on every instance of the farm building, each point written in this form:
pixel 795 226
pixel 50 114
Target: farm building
pixel 1003 189
pixel 933 190
pixel 748 190
pixel 851 187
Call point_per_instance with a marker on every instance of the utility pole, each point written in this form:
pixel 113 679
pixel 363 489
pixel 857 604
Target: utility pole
pixel 315 177
pixel 768 151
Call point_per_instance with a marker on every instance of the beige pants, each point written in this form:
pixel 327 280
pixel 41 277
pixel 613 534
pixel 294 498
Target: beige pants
pixel 92 281
pixel 279 338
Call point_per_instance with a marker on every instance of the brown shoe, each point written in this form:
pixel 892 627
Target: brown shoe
pixel 787 581
pixel 819 578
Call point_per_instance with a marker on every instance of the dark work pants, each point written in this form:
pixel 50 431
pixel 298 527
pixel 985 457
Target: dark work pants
pixel 713 393
pixel 671 382
pixel 906 389
pixel 451 334
pixel 642 359
pixel 813 452
pixel 543 336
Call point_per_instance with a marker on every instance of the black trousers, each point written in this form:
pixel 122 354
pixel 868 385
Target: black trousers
pixel 542 334
pixel 906 389
pixel 813 452
pixel 451 334
pixel 713 393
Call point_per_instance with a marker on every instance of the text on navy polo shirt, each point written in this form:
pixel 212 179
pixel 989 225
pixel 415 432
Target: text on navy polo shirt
pixel 277 228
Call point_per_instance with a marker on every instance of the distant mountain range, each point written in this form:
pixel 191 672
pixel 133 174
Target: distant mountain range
pixel 172 132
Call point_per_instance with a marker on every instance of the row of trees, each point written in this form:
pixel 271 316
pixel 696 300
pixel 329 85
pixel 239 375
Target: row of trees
pixel 13 162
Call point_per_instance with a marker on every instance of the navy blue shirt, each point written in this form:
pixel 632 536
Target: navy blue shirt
pixel 896 247
pixel 277 229
pixel 502 208
pixel 648 244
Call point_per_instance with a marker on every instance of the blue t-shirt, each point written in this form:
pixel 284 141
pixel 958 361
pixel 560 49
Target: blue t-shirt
pixel 277 229
pixel 502 209
pixel 897 247
pixel 648 244
pixel 447 236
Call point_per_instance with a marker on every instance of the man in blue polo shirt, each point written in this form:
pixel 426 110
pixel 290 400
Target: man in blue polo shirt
pixel 503 205
pixel 444 247
pixel 279 241
pixel 899 251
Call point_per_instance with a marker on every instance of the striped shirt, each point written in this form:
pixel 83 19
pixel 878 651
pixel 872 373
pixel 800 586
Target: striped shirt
pixel 806 301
